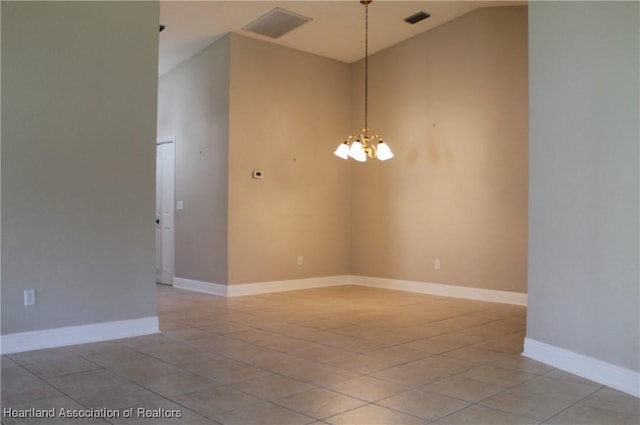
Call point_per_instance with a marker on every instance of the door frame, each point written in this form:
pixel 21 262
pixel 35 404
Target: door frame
pixel 171 248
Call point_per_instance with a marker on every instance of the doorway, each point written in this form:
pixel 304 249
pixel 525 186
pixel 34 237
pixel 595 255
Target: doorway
pixel 165 171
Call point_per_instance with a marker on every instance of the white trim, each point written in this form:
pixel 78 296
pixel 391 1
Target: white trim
pixel 258 287
pixel 322 282
pixel 466 292
pixel 200 286
pixel 613 376
pixel 285 285
pixel 72 335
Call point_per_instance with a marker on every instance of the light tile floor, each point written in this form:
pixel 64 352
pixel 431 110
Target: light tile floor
pixel 339 355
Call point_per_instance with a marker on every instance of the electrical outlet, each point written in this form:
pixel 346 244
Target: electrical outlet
pixel 29 297
pixel 300 260
pixel 436 264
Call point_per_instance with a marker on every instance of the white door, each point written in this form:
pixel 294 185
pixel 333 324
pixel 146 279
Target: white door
pixel 165 152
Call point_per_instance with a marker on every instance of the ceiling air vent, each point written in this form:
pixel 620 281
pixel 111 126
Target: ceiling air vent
pixel 276 23
pixel 417 17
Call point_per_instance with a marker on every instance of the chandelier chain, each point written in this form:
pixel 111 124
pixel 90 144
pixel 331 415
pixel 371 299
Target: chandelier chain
pixel 366 64
pixel 362 146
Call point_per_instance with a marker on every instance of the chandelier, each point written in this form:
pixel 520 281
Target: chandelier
pixel 363 146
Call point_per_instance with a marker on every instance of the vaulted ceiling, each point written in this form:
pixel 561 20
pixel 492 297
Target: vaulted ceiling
pixel 336 28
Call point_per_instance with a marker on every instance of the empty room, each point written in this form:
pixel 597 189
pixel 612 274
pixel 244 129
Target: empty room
pixel 320 212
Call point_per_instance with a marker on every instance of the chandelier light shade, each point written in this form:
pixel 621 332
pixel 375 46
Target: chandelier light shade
pixel 363 146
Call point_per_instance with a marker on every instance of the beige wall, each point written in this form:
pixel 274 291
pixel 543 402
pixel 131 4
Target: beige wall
pixel 79 85
pixel 452 104
pixel 584 291
pixel 288 111
pixel 193 106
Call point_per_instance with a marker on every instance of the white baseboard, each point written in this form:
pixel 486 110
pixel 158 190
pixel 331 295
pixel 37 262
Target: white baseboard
pixel 322 282
pixel 286 285
pixel 613 376
pixel 442 290
pixel 72 335
pixel 258 288
pixel 200 286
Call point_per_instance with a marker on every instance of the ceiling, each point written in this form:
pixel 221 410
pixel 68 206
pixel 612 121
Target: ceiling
pixel 336 29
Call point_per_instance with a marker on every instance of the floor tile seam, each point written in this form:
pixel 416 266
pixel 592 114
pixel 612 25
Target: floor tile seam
pixel 479 403
pixel 572 403
pixel 458 374
pixel 276 402
pixel 465 315
pixel 362 399
pixel 424 357
pixel 403 363
pixel 454 349
pixel 246 363
pixel 176 339
pixel 295 354
pixel 316 387
pixel 579 402
pixel 224 411
pixel 580 380
pixel 454 411
pixel 425 390
pixel 24 368
pixel 140 386
pixel 281 375
pixel 171 358
pixel 201 326
pixel 69 396
pixel 69 373
pixel 519 369
pixel 270 401
pixel 413 415
pixel 451 332
pixel 366 375
pixel 83 355
pixel 233 387
pixel 444 353
pixel 65 348
pixel 108 369
pixel 278 334
pixel 215 379
pixel 368 403
pixel 509 333
pixel 476 325
pixel 44 381
pixel 171 399
pixel 565 409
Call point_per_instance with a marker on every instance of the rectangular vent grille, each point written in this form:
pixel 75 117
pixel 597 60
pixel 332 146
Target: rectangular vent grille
pixel 416 17
pixel 276 23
